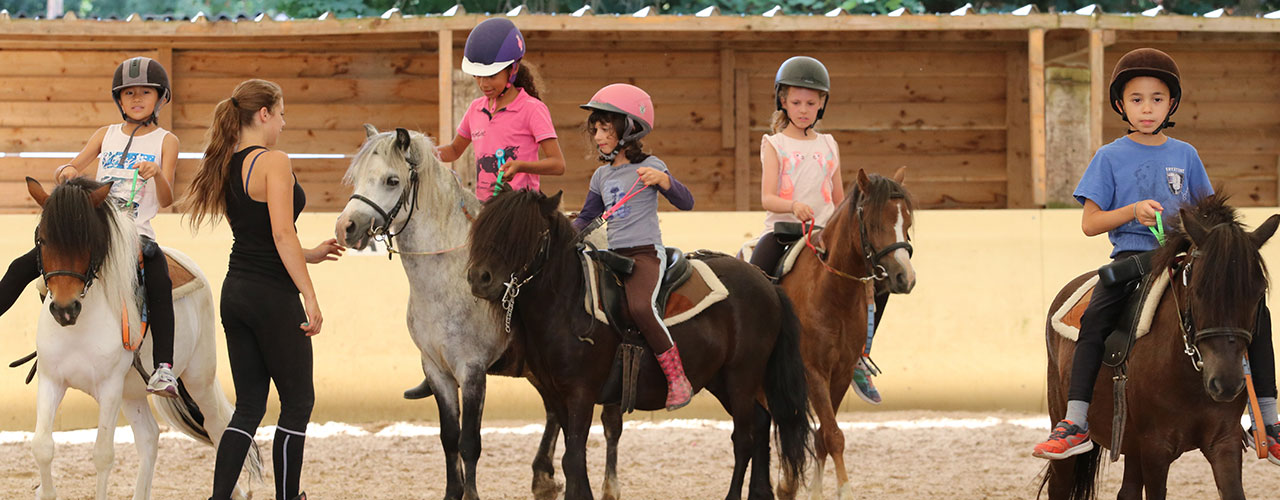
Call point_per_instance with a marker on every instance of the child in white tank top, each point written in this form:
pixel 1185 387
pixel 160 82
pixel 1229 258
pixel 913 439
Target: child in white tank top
pixel 139 158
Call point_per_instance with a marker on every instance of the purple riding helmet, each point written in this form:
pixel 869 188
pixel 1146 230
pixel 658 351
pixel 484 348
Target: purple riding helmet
pixel 492 46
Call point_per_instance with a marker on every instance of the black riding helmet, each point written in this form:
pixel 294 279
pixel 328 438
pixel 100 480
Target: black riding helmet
pixel 804 72
pixel 1146 62
pixel 141 72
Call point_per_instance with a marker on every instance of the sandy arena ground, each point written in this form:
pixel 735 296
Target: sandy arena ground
pixel 893 455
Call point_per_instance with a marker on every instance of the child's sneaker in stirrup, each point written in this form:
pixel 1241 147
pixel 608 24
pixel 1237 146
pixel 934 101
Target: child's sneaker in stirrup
pixel 1273 443
pixel 162 382
pixel 862 385
pixel 679 391
pixel 1066 440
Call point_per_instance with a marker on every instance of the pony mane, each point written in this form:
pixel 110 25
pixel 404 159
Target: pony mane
pixel 507 228
pixel 1232 268
pixel 881 190
pixel 68 224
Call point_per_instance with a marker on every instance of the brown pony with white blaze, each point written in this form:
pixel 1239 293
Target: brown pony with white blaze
pixel 1218 279
pixel 866 241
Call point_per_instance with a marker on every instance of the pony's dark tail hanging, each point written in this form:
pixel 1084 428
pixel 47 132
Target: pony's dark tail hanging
pixel 787 392
pixel 1083 482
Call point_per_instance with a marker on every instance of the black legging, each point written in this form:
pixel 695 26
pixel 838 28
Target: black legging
pixel 1107 304
pixel 26 269
pixel 767 254
pixel 265 344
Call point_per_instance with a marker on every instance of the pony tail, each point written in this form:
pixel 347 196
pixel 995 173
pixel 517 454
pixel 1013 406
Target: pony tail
pixel 526 78
pixel 205 197
pixel 779 120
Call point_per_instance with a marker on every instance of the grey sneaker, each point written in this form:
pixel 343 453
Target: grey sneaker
pixel 162 382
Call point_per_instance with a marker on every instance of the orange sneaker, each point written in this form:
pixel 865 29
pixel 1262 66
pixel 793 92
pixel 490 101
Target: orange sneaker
pixel 1066 440
pixel 1273 444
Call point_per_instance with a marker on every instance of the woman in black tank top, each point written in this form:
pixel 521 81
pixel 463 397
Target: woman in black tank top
pixel 268 328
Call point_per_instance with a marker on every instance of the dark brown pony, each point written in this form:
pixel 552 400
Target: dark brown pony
pixel 740 349
pixel 866 241
pixel 1175 406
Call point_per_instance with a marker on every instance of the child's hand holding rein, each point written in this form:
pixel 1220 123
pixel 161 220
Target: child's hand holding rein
pixel 650 177
pixel 1145 212
pixel 147 169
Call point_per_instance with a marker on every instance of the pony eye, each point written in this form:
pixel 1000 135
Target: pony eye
pixel 393 181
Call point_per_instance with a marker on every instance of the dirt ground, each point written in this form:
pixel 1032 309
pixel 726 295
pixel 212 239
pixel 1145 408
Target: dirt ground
pixel 892 455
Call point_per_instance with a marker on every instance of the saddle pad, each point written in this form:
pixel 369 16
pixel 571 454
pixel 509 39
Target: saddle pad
pixel 788 259
pixel 702 290
pixel 184 281
pixel 1066 320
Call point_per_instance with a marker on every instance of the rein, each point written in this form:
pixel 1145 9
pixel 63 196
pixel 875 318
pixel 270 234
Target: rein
pixel 873 256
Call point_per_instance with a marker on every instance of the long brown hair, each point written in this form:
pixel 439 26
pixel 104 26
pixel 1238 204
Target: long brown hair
pixel 206 195
pixel 633 151
pixel 527 79
pixel 780 119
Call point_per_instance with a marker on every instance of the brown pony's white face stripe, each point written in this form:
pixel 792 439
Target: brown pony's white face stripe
pixel 901 233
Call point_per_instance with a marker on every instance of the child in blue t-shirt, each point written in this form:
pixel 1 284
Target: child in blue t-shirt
pixel 1128 183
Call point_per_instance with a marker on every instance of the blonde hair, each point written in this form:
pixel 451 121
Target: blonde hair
pixel 780 120
pixel 205 197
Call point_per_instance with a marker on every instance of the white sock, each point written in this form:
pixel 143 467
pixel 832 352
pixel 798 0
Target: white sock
pixel 1268 406
pixel 1078 413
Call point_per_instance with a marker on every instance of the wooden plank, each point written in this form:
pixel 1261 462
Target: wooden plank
pixel 727 97
pixel 670 116
pixel 1098 92
pixel 985 167
pixel 58 114
pixel 1224 165
pixel 900 89
pixel 664 89
pixel 1205 88
pixel 53 63
pixel 594 63
pixel 903 116
pixel 359 90
pixel 949 194
pixel 1224 64
pixel 1018 134
pixel 345 140
pixel 898 63
pixel 60 89
pixel 1035 75
pixel 742 143
pixel 321 116
pixel 444 61
pixel 1250 193
pixel 268 65
pixel 1195 114
pixel 164 56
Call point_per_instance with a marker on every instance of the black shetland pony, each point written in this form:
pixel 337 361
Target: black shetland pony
pixel 744 349
pixel 1186 376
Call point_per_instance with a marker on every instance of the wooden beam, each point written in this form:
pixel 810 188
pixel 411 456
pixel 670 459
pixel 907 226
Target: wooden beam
pixel 1035 75
pixel 164 56
pixel 1098 94
pixel 742 143
pixel 445 67
pixel 1017 135
pixel 727 99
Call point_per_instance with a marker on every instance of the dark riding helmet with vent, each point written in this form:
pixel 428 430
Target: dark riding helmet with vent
pixel 1146 62
pixel 141 72
pixel 804 72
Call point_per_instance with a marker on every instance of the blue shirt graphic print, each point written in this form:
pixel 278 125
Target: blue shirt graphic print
pixel 1125 172
pixel 122 175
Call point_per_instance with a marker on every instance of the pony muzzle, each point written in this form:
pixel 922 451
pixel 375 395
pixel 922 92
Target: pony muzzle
pixel 483 285
pixel 67 314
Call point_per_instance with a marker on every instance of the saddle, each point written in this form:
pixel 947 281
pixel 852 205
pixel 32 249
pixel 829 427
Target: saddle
pixel 688 287
pixel 1144 293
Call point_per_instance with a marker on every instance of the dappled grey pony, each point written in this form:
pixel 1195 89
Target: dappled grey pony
pixel 410 199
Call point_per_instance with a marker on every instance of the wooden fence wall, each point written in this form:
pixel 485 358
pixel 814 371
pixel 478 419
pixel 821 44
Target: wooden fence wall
pixel 959 100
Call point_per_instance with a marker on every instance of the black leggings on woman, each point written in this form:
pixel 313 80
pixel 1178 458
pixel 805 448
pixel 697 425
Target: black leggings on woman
pixel 265 343
pixel 26 269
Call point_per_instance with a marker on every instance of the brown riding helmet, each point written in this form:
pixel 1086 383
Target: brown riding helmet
pixel 1146 62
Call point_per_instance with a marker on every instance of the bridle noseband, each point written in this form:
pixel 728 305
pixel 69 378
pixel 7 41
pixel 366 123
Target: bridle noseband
pixel 410 195
pixel 876 271
pixel 532 267
pixel 1191 338
pixel 87 277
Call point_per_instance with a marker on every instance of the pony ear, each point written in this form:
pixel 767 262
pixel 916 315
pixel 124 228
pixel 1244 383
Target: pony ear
pixel 37 191
pixel 1265 231
pixel 1195 230
pixel 402 139
pixel 99 195
pixel 900 175
pixel 370 130
pixel 864 182
pixel 552 203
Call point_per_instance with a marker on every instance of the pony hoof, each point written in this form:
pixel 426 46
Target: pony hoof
pixel 845 493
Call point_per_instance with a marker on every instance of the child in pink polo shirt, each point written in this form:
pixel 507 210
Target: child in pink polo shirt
pixel 512 131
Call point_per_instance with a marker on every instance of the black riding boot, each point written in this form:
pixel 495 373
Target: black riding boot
pixel 421 391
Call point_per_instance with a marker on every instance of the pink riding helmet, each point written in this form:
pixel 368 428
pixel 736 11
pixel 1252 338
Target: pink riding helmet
pixel 630 101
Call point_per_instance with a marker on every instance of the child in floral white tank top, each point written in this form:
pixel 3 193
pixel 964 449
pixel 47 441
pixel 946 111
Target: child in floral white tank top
pixel 801 180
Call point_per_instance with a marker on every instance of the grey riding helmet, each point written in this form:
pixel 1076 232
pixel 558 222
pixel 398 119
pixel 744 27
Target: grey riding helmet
pixel 141 72
pixel 805 72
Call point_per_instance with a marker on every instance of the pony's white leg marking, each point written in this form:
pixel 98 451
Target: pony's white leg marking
pixel 145 436
pixel 815 486
pixel 47 402
pixel 844 492
pixel 901 255
pixel 104 451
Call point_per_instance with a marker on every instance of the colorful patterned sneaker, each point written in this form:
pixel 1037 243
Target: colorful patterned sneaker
pixel 1066 440
pixel 1273 443
pixel 862 385
pixel 162 382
